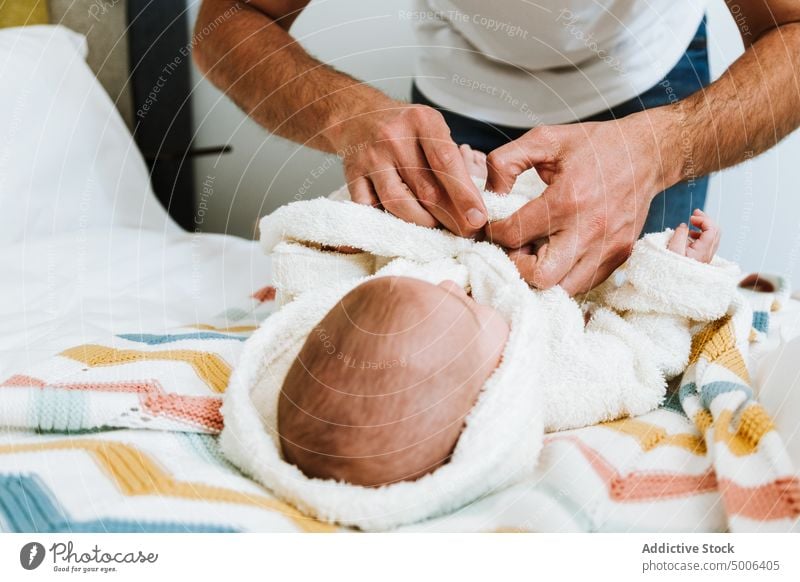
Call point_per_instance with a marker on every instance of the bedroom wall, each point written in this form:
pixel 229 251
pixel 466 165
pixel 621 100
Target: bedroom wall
pixel 109 56
pixel 758 203
pixel 365 39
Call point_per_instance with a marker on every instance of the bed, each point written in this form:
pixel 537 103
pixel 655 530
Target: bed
pixel 119 331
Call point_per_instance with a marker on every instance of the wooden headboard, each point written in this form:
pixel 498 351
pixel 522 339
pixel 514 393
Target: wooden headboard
pixel 105 24
pixel 139 51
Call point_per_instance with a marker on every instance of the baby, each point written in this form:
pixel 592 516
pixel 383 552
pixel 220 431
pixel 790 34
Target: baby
pixel 381 388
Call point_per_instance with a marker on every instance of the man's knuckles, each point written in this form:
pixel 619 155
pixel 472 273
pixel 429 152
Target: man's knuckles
pixel 428 116
pixel 388 133
pixel 501 163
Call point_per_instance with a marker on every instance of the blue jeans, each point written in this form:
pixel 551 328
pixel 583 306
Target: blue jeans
pixel 670 207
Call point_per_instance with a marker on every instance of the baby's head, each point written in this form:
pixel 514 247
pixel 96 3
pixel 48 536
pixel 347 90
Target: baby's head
pixel 380 390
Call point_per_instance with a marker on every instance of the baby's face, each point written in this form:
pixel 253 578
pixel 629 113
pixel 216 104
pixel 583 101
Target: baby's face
pixel 372 424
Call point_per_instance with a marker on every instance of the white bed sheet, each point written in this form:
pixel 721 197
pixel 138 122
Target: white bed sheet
pixel 76 286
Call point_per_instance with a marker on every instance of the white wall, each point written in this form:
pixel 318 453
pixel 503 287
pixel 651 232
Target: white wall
pixel 758 203
pixel 365 39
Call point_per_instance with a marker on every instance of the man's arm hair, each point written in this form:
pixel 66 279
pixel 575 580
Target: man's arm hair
pixel 754 104
pixel 245 49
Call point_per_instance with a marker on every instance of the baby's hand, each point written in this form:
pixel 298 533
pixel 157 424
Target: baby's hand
pixel 474 160
pixel 700 245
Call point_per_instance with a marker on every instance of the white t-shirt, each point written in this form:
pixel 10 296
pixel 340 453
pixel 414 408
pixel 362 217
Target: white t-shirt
pixel 528 62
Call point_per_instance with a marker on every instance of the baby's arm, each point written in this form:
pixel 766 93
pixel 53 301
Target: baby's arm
pixel 638 335
pixel 674 273
pixel 669 330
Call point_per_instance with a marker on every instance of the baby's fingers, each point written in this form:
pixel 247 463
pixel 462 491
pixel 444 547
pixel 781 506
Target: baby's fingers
pixel 703 249
pixel 702 221
pixel 705 243
pixel 474 160
pixel 677 244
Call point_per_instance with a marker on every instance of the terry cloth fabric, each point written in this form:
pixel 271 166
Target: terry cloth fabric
pixel 555 372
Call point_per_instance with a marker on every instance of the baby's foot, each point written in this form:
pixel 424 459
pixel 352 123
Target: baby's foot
pixel 700 245
pixel 474 160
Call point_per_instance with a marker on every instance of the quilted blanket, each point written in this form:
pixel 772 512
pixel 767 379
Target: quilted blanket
pixel 119 435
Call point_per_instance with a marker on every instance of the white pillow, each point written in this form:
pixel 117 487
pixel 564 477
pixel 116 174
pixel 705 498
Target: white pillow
pixel 67 160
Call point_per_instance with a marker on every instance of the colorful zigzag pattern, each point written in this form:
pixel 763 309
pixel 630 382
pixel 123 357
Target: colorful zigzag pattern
pixel 709 460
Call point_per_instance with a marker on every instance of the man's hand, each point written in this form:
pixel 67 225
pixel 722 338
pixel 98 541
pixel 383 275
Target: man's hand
pixel 401 157
pixel 397 155
pixel 601 179
pixel 603 176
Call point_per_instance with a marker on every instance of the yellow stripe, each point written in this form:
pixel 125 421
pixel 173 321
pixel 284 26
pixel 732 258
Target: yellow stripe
pixel 136 473
pixel 705 335
pixel 211 368
pixel 232 329
pixel 754 423
pixel 716 342
pixel 650 436
pixel 703 420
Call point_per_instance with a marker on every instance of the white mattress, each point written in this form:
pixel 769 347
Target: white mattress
pixel 72 287
pixel 75 286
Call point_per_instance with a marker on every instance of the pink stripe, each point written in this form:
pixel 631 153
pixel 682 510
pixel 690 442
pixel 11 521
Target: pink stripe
pixel 19 381
pixel 642 486
pixel 202 411
pixel 779 499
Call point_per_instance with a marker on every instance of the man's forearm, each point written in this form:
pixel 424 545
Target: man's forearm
pixel 749 109
pixel 253 59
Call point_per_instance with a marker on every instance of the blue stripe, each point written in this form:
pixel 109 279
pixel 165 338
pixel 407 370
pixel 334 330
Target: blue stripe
pixel 156 339
pixel 205 445
pixel 127 526
pixel 233 314
pixel 713 389
pixel 687 390
pixel 673 402
pixel 28 505
pixel 761 321
pixel 54 409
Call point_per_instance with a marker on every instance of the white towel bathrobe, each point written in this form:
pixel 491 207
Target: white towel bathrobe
pixel 557 372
